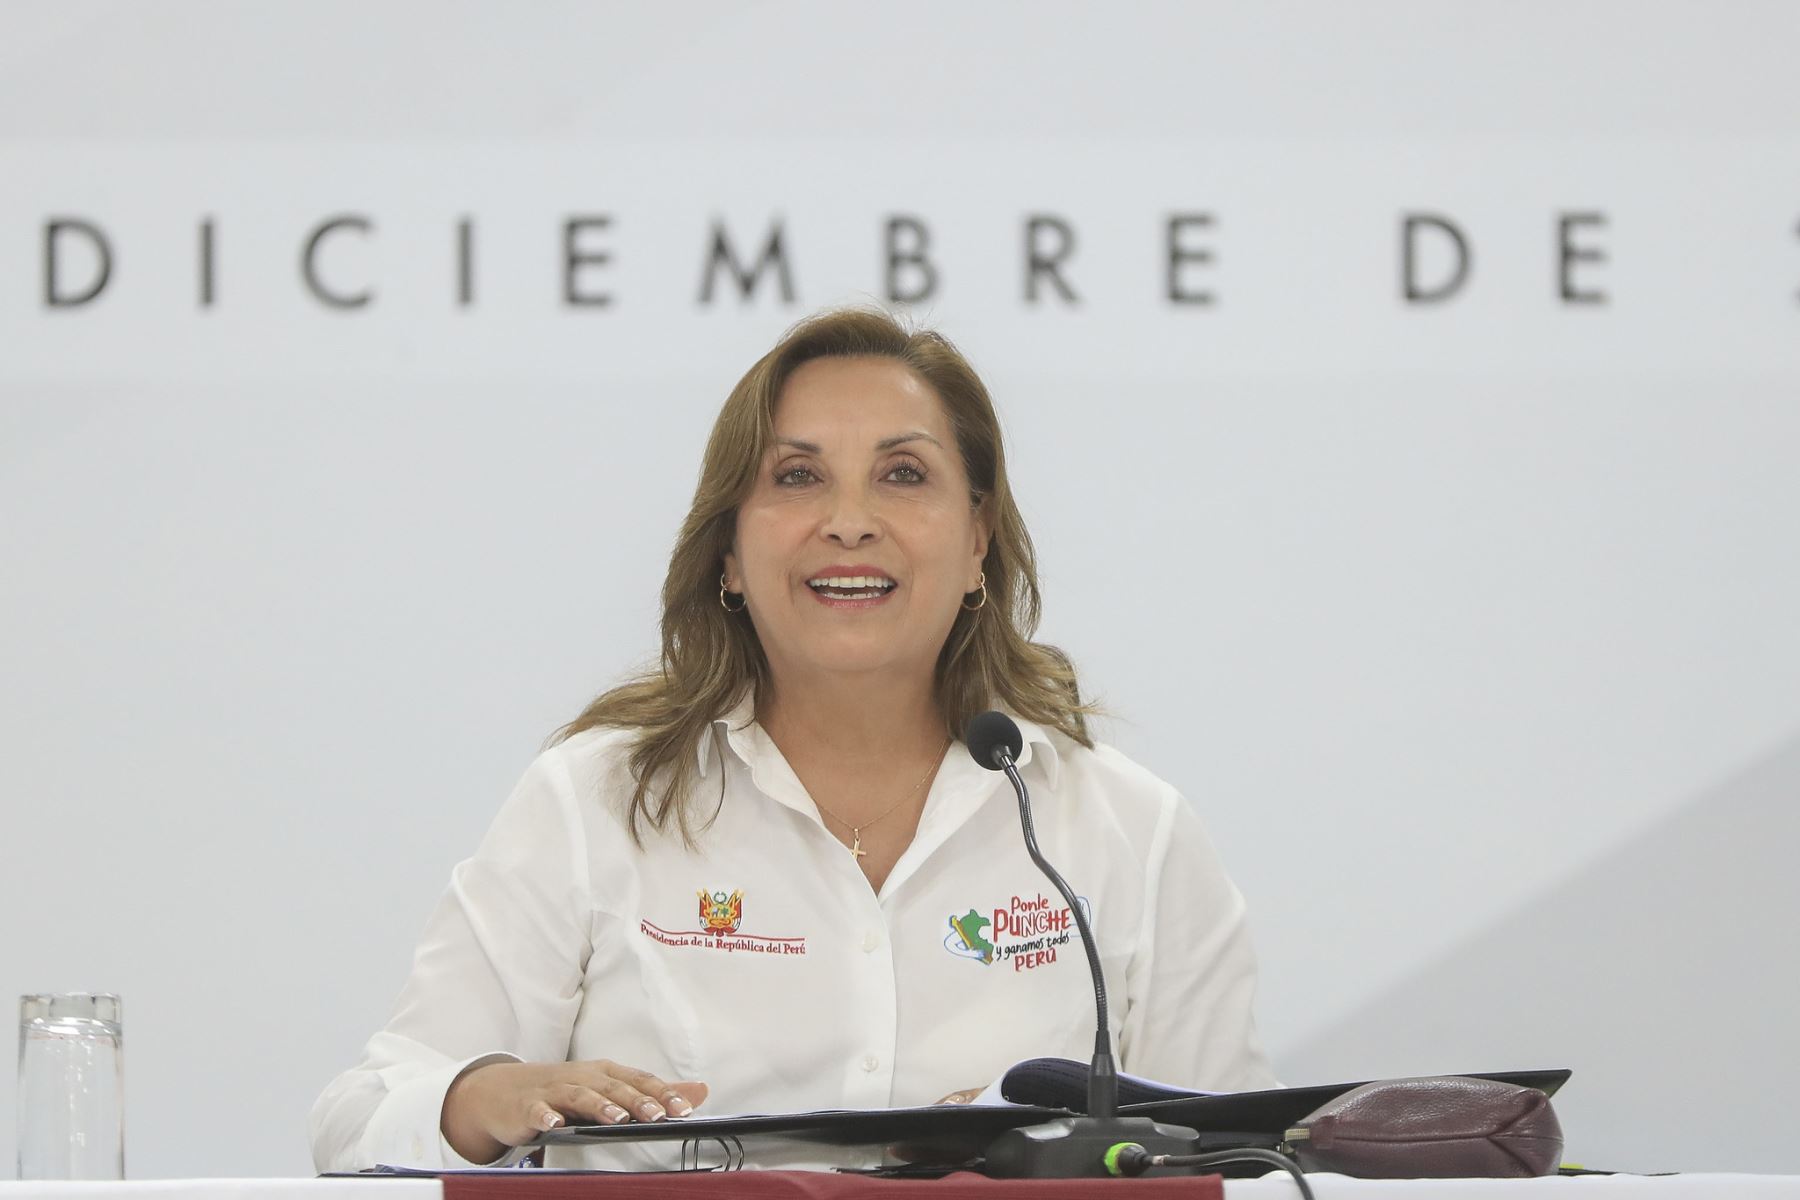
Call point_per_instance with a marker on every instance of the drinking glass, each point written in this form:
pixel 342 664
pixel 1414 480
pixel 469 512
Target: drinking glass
pixel 71 1087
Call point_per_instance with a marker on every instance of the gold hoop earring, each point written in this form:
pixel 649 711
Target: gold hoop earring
pixel 981 586
pixel 742 603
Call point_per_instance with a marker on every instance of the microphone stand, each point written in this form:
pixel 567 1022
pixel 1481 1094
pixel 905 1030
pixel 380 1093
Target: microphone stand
pixel 1090 1145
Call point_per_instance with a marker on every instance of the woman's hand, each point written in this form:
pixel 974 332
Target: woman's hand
pixel 499 1105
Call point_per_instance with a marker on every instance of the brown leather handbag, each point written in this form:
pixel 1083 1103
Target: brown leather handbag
pixel 1438 1127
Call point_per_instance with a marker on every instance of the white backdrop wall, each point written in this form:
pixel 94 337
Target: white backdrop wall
pixel 1466 622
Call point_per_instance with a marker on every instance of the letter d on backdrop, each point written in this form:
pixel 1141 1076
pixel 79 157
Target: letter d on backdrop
pixel 54 231
pixel 1409 259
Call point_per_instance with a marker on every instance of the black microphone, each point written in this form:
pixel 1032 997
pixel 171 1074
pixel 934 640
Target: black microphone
pixel 1084 1146
pixel 996 743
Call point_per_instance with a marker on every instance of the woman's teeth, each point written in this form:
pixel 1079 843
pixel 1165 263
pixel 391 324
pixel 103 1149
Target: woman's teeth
pixel 852 587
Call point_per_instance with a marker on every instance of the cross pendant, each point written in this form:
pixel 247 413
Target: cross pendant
pixel 856 850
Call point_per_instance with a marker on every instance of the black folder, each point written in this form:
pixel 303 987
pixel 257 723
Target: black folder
pixel 1042 1089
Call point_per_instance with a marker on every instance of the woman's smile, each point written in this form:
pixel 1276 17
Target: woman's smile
pixel 852 587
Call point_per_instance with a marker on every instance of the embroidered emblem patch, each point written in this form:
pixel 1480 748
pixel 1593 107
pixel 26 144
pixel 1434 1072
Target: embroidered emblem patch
pixel 721 928
pixel 1026 933
pixel 720 913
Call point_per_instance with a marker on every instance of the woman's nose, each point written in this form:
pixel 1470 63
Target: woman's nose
pixel 851 518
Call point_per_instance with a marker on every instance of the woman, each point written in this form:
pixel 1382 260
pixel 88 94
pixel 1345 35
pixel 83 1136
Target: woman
pixel 766 877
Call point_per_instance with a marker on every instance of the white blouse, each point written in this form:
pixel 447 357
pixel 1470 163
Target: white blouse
pixel 762 964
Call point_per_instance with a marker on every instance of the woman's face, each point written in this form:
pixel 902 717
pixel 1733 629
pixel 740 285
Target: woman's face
pixel 858 541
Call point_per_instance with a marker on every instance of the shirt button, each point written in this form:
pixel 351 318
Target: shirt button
pixel 870 940
pixel 870 1062
pixel 418 1148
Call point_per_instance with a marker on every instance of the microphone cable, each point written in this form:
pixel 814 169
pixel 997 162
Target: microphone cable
pixel 1130 1159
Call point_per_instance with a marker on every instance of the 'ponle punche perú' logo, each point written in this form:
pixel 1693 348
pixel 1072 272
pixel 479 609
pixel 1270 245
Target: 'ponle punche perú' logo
pixel 1025 933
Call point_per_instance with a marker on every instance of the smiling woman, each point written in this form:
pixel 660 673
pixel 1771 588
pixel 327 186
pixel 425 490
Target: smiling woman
pixel 853 583
pixel 852 439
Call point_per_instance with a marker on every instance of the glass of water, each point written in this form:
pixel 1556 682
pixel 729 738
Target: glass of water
pixel 71 1087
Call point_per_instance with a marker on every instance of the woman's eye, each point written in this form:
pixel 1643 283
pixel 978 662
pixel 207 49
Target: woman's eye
pixel 794 476
pixel 907 473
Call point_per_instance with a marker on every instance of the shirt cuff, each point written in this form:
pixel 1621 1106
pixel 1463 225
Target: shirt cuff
pixel 406 1130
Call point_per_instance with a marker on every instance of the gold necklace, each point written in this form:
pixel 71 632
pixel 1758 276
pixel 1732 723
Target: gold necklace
pixel 856 850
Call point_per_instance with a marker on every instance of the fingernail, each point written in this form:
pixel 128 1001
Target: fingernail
pixel 551 1120
pixel 650 1110
pixel 615 1114
pixel 678 1106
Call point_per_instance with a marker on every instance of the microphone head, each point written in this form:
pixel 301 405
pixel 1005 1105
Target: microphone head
pixel 990 732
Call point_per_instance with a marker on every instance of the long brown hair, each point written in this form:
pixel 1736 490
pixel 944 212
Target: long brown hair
pixel 711 656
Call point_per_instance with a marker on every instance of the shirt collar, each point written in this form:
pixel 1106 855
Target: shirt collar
pixel 739 716
pixel 1038 744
